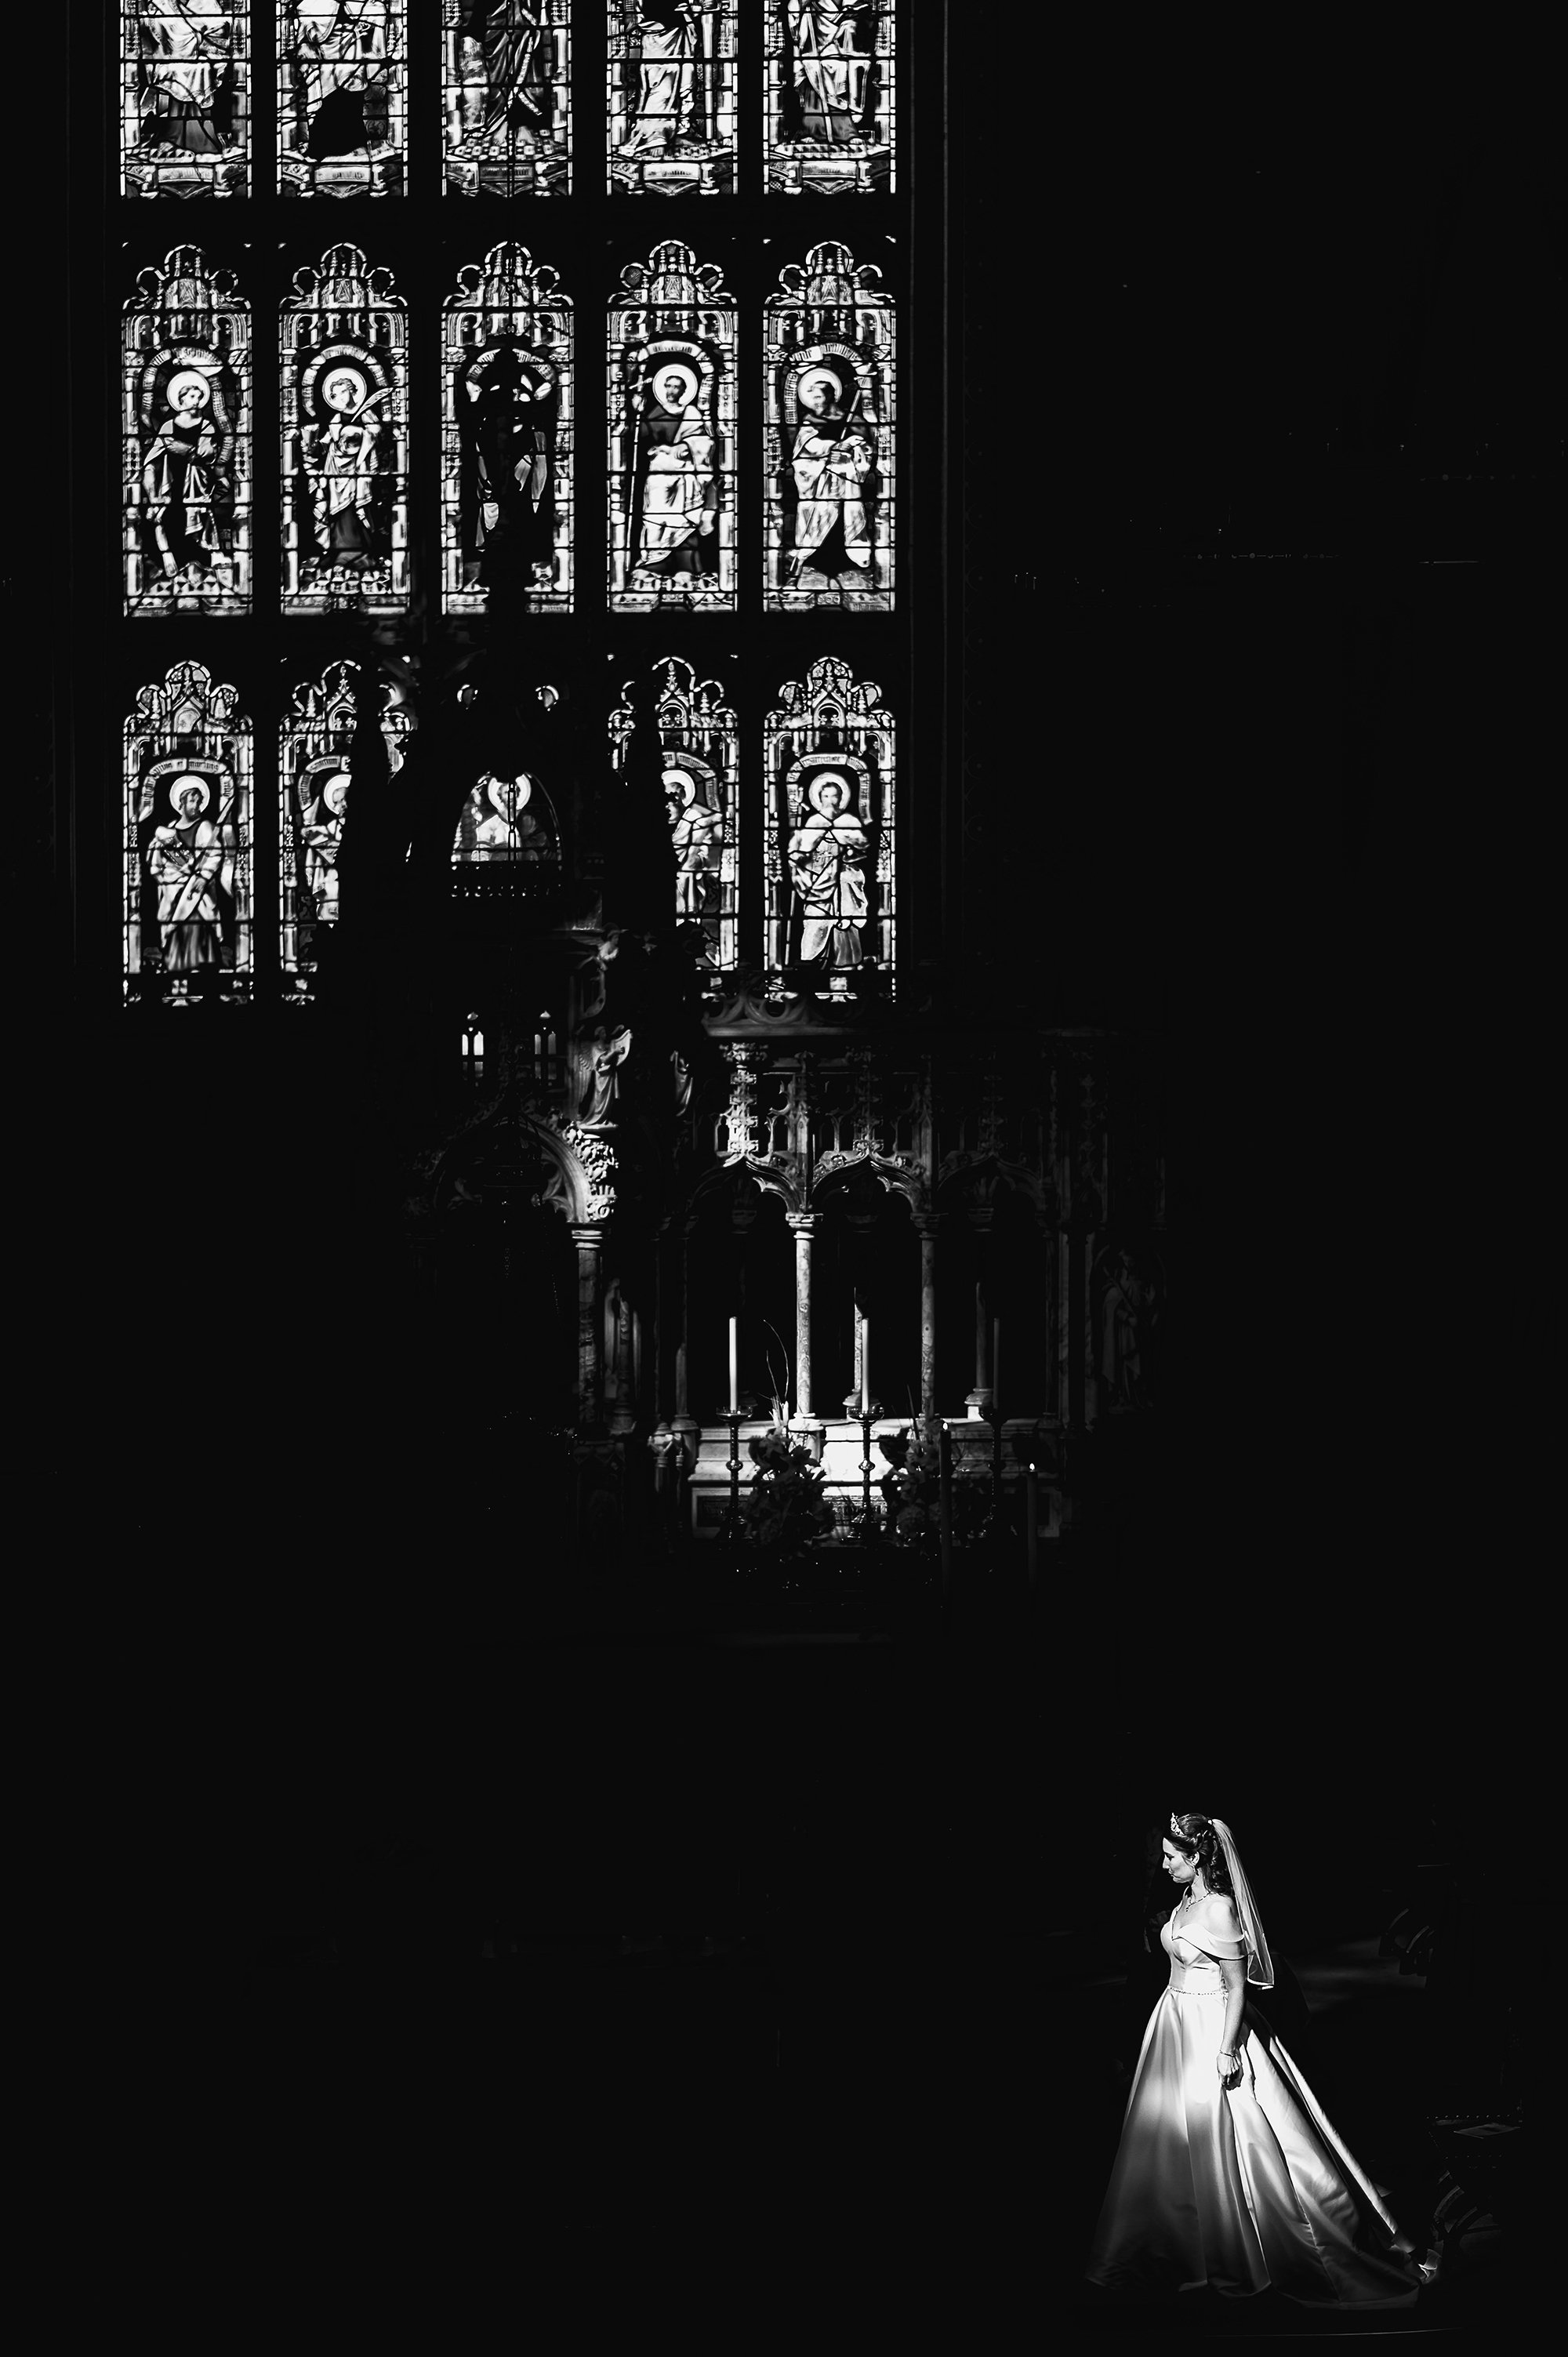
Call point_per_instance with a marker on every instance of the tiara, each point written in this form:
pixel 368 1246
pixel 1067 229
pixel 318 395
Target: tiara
pixel 1181 1834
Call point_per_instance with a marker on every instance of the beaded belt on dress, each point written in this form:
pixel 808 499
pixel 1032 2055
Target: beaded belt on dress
pixel 1183 1987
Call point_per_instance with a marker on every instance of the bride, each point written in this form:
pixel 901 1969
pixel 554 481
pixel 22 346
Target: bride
pixel 1228 2173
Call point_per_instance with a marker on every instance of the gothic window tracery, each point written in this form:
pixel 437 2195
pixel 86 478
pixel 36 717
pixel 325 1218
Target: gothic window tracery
pixel 507 97
pixel 186 426
pixel 828 408
pixel 184 98
pixel 342 119
pixel 507 437
pixel 699 742
pixel 672 428
pixel 314 783
pixel 344 364
pixel 187 845
pixel 828 852
pixel 671 97
pixel 828 97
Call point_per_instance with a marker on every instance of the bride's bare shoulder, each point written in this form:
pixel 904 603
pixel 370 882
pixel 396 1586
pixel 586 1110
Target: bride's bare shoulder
pixel 1218 1908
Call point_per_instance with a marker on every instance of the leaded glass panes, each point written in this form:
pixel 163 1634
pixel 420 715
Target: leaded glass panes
pixel 671 101
pixel 507 97
pixel 828 96
pixel 828 405
pixel 507 437
pixel 828 849
pixel 699 749
pixel 186 415
pixel 314 766
pixel 184 98
pixel 672 426
pixel 508 819
pixel 344 444
pixel 187 847
pixel 342 98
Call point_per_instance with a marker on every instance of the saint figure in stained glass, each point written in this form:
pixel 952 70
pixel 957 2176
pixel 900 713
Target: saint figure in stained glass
pixel 671 96
pixel 190 862
pixel 186 441
pixel 508 425
pixel 699 736
pixel 342 456
pixel 186 78
pixel 671 435
pixel 514 824
pixel 828 91
pixel 696 832
pixel 340 97
pixel 345 484
pixel 827 855
pixel 674 488
pixel 828 750
pixel 507 437
pixel 828 357
pixel 507 97
pixel 834 452
pixel 322 836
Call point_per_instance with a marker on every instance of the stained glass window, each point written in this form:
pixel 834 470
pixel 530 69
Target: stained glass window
pixel 342 98
pixel 673 425
pixel 829 831
pixel 508 820
pixel 671 101
pixel 187 426
pixel 828 406
pixel 507 437
pixel 187 840
pixel 345 440
pixel 184 98
pixel 828 96
pixel 507 97
pixel 699 746
pixel 315 763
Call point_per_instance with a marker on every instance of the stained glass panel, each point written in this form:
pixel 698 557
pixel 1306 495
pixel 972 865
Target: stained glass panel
pixel 186 427
pixel 187 840
pixel 828 96
pixel 507 97
pixel 345 440
pixel 699 740
pixel 315 765
pixel 828 850
pixel 672 426
pixel 342 98
pixel 828 407
pixel 670 102
pixel 184 98
pixel 507 437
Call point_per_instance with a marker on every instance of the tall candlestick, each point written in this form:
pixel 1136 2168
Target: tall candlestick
pixel 1032 1524
pixel 735 1366
pixel 996 1364
pixel 866 1366
pixel 944 1497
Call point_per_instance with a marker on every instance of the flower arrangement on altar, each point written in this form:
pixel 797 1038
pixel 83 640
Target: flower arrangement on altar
pixel 786 1505
pixel 912 1488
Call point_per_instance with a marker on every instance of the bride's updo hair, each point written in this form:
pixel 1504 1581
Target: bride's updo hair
pixel 1198 1840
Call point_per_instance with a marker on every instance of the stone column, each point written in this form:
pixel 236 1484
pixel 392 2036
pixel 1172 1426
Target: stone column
pixel 683 1329
pixel 803 1223
pixel 924 1225
pixel 590 1243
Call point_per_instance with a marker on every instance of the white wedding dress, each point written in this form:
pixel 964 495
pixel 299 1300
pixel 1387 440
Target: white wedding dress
pixel 1246 2188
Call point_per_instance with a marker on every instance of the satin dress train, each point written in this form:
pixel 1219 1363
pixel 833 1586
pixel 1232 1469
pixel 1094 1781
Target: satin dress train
pixel 1245 2188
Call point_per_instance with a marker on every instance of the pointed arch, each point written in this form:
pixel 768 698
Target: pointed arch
pixel 186 346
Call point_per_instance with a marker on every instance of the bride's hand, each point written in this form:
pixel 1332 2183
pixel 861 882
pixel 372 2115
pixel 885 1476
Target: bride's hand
pixel 1228 2067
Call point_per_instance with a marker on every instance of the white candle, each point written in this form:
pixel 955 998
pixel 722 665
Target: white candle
pixel 1033 1526
pixel 866 1366
pixel 996 1364
pixel 734 1367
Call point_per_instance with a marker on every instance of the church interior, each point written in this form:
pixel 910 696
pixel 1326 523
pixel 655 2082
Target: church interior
pixel 762 1127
